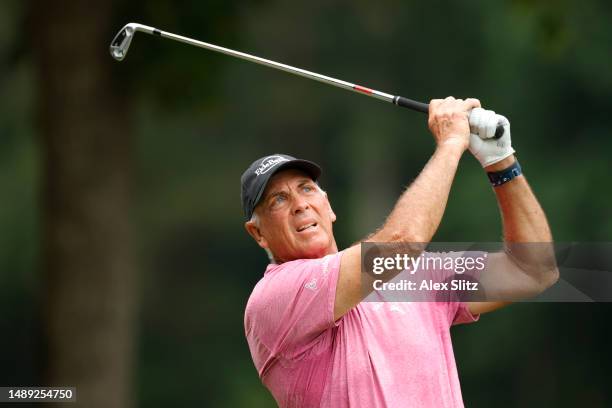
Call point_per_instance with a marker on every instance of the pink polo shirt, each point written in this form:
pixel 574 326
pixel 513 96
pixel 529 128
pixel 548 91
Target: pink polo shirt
pixel 379 354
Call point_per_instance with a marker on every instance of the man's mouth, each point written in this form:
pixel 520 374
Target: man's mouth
pixel 307 226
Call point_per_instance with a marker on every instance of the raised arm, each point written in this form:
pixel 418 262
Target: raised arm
pixel 417 214
pixel 527 266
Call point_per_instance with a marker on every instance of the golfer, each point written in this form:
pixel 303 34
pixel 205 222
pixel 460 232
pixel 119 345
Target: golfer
pixel 312 339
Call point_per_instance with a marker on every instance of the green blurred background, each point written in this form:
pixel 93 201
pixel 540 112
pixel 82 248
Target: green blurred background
pixel 124 265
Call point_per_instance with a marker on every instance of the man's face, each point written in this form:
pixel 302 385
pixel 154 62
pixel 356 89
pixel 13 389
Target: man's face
pixel 294 218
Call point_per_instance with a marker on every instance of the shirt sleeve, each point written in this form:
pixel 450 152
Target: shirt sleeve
pixel 462 314
pixel 297 305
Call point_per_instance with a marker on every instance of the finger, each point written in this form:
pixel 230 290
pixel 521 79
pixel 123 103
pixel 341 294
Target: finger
pixel 490 124
pixel 455 105
pixel 481 123
pixel 434 108
pixel 435 102
pixel 461 106
pixel 475 120
pixel 476 144
pixel 472 103
pixel 501 119
pixel 448 101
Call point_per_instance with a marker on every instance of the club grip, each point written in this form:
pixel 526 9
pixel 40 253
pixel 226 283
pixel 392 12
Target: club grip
pixel 410 104
pixel 423 107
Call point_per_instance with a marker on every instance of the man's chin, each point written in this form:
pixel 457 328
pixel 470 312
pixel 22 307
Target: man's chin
pixel 316 250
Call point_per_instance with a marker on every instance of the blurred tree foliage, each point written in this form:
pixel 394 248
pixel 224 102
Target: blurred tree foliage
pixel 200 118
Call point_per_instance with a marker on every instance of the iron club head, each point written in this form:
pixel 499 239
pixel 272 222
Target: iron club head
pixel 121 43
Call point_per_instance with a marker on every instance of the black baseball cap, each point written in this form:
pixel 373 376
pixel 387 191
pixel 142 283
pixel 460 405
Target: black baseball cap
pixel 255 179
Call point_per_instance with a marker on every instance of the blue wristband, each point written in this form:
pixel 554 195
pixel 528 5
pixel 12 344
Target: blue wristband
pixel 501 177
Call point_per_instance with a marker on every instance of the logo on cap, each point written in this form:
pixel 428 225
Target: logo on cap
pixel 268 162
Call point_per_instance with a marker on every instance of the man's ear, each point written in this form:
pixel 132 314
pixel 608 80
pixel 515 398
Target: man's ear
pixel 332 214
pixel 254 231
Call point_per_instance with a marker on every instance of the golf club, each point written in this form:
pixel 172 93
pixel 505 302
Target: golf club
pixel 121 44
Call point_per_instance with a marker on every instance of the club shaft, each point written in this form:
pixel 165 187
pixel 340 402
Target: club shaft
pixel 120 44
pixel 397 100
pixel 122 40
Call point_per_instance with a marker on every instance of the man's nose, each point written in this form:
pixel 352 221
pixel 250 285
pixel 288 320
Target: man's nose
pixel 299 204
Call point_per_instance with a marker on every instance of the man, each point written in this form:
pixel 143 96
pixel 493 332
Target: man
pixel 313 342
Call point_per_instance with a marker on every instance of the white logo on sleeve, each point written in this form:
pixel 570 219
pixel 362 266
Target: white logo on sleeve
pixel 269 162
pixel 312 285
pixel 396 308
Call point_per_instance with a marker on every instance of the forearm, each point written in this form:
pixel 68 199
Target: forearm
pixel 418 212
pixel 527 236
pixel 522 216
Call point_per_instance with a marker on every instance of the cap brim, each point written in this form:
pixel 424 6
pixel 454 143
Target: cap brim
pixel 311 168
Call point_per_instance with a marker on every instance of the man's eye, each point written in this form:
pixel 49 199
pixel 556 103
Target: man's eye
pixel 307 189
pixel 278 200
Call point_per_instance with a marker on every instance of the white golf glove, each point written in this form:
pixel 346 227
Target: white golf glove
pixel 483 146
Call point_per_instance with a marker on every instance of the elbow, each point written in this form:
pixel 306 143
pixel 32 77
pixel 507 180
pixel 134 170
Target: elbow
pixel 545 280
pixel 407 237
pixel 550 278
pixel 536 261
pixel 406 242
pixel 549 274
